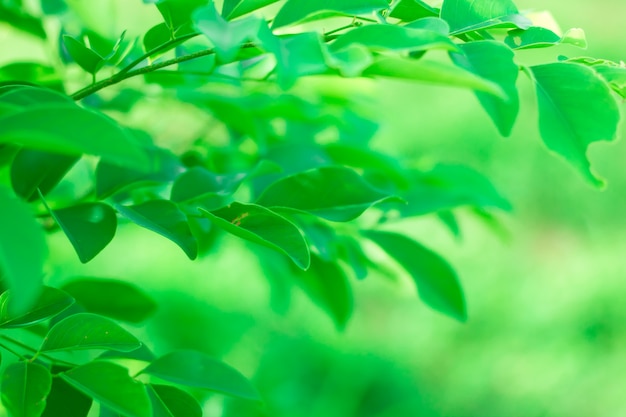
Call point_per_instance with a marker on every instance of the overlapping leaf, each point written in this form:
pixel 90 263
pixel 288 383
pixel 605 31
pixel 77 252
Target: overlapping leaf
pixel 409 10
pixel 50 303
pixel 471 15
pixel 24 388
pixel 236 8
pixel 65 400
pixel 538 37
pixel 34 171
pixel 294 11
pixel 169 401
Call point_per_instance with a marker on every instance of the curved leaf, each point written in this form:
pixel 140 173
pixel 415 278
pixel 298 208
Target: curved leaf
pixel 88 331
pixel 236 8
pixel 87 58
pixel 169 401
pixel 195 369
pixel 209 189
pixel 50 303
pixel 66 401
pixel 394 38
pixel 294 11
pixel 408 10
pixel 177 13
pixel 24 389
pixel 471 15
pixel 538 37
pixel 110 385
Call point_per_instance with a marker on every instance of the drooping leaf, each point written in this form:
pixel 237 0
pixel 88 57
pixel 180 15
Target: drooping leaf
pixel 471 15
pixel 24 389
pixel 409 10
pixel 111 385
pixel 576 108
pixel 334 193
pixel 88 331
pixel 294 11
pixel 87 58
pixel 200 185
pixel 165 218
pixel 437 283
pixel 169 401
pixel 65 400
pixel 538 37
pixel 236 8
pixel 50 303
pixel 195 369
pixel 493 61
pixel 177 13
pixel 23 252
pixel 116 299
pixel 263 226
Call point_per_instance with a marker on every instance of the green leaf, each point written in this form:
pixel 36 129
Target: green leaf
pixel 493 61
pixel 472 15
pixel 572 117
pixel 88 331
pixel 538 37
pixel 66 401
pixel 30 72
pixel 90 227
pixel 615 75
pixel 430 23
pixel 350 251
pixel 116 299
pixel 235 8
pixel 156 36
pixel 437 283
pixel 165 218
pixel 177 13
pixel 111 385
pixel 23 251
pixel 294 11
pixel 263 226
pixel 169 401
pixel 200 185
pixel 408 10
pixel 334 193
pixel 351 61
pixel 24 389
pixel 87 58
pixel 195 369
pixel 50 303
pixel 25 95
pixel 19 19
pixel 431 72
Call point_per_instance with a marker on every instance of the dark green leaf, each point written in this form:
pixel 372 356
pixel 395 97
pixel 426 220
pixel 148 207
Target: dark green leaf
pixel 538 37
pixel 294 11
pixel 50 303
pixel 116 299
pixel 211 190
pixel 261 225
pixel 156 36
pixel 236 8
pixel 195 369
pixel 87 58
pixel 111 385
pixel 471 15
pixel 408 10
pixel 66 401
pixel 168 401
pixel 436 282
pixel 24 389
pixel 576 108
pixel 165 218
pixel 88 331
pixel 334 193
pixel 31 72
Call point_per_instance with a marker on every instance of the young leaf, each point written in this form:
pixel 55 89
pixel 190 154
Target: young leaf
pixel 195 369
pixel 471 15
pixel 538 37
pixel 88 331
pixel 87 58
pixel 409 10
pixel 110 385
pixel 294 11
pixel 24 389
pixel 23 252
pixel 165 218
pixel 493 61
pixel 236 8
pixel 116 299
pixel 169 401
pixel 437 283
pixel 576 108
pixel 66 401
pixel 261 225
pixel 90 227
pixel 334 193
pixel 50 303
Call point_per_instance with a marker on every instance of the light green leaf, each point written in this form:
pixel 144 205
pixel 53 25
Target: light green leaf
pixel 236 8
pixel 538 37
pixel 351 61
pixel 25 95
pixel 437 283
pixel 294 11
pixel 169 401
pixel 394 38
pixel 165 218
pixel 66 401
pixel 111 385
pixel 434 24
pixel 23 251
pixel 408 10
pixel 200 185
pixel 88 331
pixel 116 299
pixel 177 13
pixel 334 193
pixel 195 369
pixel 576 108
pixel 50 303
pixel 24 389
pixel 263 226
pixel 493 61
pixel 87 58
pixel 471 15
pixel 615 75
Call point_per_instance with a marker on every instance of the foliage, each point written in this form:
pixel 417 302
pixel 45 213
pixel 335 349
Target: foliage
pixel 284 164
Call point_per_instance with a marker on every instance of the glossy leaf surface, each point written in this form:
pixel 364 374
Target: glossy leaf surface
pixel 471 15
pixel 24 388
pixel 236 8
pixel 50 303
pixel 294 11
pixel 169 401
pixel 87 58
pixel 394 38
pixel 538 37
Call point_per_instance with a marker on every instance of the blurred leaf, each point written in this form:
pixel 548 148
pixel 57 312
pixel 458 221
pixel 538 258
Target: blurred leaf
pixel 195 369
pixel 436 282
pixel 571 117
pixel 50 303
pixel 87 58
pixel 493 61
pixel 236 8
pixel 434 24
pixel 23 252
pixel 212 190
pixel 261 225
pixel 408 10
pixel 156 36
pixel 538 37
pixel 111 385
pixel 334 193
pixel 116 299
pixel 24 389
pixel 143 354
pixel 168 401
pixel 32 72
pixel 66 401
pixel 351 61
pixel 165 218
pixel 351 252
pixel 449 220
pixel 90 227
pixel 21 20
pixel 615 76
pixel 294 11
pixel 177 13
pixel 471 15
pixel 88 331
pixel 320 236
pixel 27 95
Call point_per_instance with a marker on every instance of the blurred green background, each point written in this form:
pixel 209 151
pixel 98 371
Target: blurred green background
pixel 546 288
